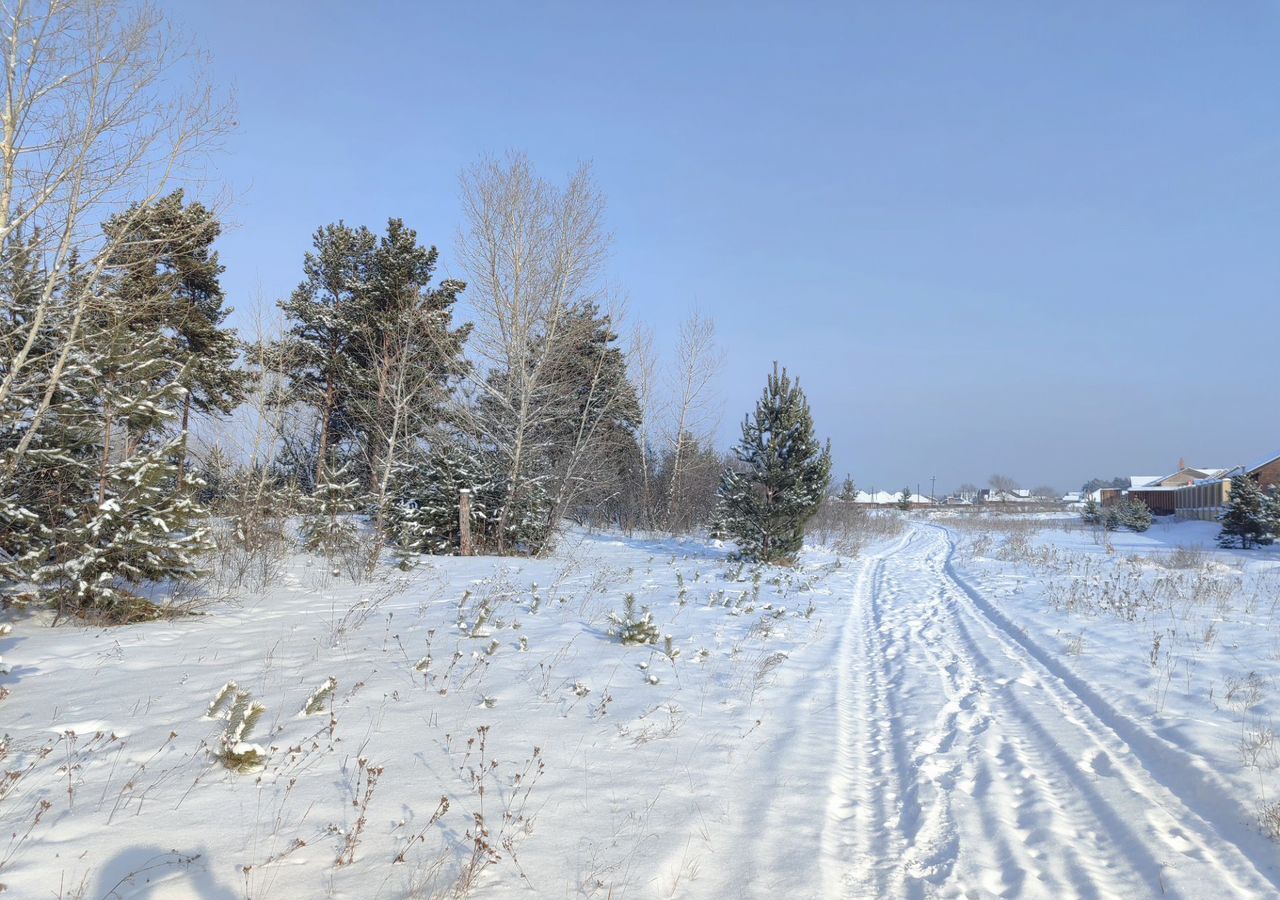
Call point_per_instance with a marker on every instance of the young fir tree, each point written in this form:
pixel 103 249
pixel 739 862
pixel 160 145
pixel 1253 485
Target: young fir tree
pixel 848 490
pixel 125 522
pixel 1092 512
pixel 904 498
pixel 783 474
pixel 424 508
pixel 1251 517
pixel 327 527
pixel 29 498
pixel 1134 515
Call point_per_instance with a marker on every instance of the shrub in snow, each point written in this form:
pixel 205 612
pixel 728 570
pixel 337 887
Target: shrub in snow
pixel 1131 514
pixel 236 752
pixel 781 477
pixel 634 626
pixel 242 714
pixel 222 700
pixel 1251 518
pixel 315 703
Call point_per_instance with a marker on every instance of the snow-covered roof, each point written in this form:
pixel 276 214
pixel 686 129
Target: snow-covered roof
pixel 882 497
pixel 1143 480
pixel 1265 462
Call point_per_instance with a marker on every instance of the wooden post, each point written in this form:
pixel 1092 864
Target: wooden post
pixel 464 522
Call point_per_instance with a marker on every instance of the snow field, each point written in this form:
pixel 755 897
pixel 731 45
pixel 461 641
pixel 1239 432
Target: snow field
pixel 976 707
pixel 487 686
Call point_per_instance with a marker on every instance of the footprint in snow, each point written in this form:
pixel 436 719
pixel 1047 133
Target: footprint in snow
pixel 1099 763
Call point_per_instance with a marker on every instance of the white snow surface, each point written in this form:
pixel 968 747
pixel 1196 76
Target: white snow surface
pixel 952 713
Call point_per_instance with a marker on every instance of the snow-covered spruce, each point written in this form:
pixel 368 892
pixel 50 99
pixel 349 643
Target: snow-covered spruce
pixel 634 626
pixel 781 477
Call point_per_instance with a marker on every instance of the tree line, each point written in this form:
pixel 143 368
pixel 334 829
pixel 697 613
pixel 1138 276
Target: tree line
pixel 369 410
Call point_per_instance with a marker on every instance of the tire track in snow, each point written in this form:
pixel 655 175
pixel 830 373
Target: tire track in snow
pixel 983 815
pixel 859 844
pixel 1185 810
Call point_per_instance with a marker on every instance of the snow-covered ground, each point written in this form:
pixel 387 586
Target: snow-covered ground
pixel 976 710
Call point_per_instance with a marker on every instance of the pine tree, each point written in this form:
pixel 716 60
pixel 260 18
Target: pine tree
pixel 1092 513
pixel 424 506
pixel 904 498
pixel 1251 518
pixel 782 476
pixel 582 442
pixel 327 528
pixel 318 353
pixel 165 269
pixel 363 301
pixel 1134 515
pixel 848 490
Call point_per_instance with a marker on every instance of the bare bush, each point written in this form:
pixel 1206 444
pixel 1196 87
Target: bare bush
pixel 846 527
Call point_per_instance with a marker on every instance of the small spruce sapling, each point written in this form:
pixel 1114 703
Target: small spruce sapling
pixel 1092 512
pixel 315 703
pixel 327 528
pixel 236 752
pixel 634 626
pixel 1135 515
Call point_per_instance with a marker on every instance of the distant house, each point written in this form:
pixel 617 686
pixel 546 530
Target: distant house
pixel 1073 497
pixel 1162 493
pixel 1018 495
pixel 884 498
pixel 1205 498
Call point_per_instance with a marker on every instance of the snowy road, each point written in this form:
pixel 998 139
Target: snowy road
pixel 961 760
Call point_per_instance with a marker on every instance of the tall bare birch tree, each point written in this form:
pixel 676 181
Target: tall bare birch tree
pixel 693 414
pixel 92 123
pixel 533 254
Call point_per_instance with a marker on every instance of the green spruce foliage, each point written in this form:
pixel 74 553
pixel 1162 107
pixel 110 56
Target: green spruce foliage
pixel 105 473
pixel 1128 513
pixel 424 507
pixel 904 499
pixel 848 490
pixel 1134 515
pixel 1092 512
pixel 328 528
pixel 1251 518
pixel 363 301
pixel 782 474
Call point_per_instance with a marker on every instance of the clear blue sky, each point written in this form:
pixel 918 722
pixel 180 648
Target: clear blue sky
pixel 1033 238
